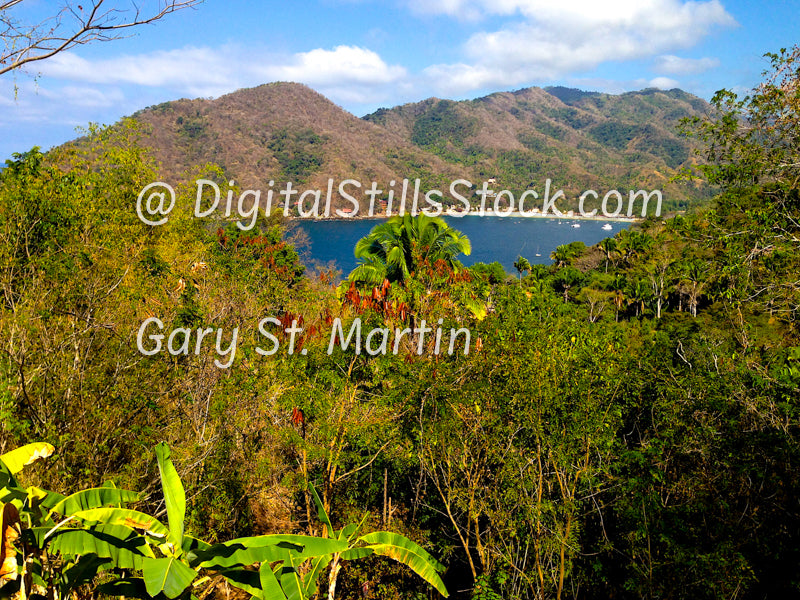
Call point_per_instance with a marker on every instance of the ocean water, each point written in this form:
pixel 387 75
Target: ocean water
pixel 500 239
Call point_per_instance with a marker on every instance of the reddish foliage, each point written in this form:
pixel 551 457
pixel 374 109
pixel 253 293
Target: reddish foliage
pixel 377 300
pixel 298 416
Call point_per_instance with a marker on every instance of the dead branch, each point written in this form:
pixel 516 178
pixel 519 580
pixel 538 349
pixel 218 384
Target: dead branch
pixel 73 24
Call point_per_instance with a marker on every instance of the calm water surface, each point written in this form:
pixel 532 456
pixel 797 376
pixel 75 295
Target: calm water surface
pixel 500 239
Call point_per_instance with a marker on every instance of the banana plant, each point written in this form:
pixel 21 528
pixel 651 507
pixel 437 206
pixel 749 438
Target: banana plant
pixel 378 543
pixel 40 549
pixel 92 531
pixel 289 565
pixel 291 569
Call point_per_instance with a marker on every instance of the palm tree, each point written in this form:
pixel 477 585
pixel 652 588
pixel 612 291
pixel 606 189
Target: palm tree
pixel 633 244
pixel 565 254
pixel 522 265
pixel 609 247
pixel 619 301
pixel 639 294
pixel 693 281
pixel 394 250
pixel 566 279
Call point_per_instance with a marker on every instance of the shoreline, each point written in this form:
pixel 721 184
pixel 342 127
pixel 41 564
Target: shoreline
pixel 476 213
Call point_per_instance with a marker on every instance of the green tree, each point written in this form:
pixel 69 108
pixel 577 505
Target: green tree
pixel 567 279
pixel 565 254
pixel 692 280
pixel 754 140
pixel 394 250
pixel 609 247
pixel 522 265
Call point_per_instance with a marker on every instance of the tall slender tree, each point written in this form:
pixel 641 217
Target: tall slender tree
pixel 522 265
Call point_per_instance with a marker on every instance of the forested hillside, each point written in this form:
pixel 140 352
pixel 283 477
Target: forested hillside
pixel 624 424
pixel 580 140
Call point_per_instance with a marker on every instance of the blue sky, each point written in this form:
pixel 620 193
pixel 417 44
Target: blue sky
pixel 365 54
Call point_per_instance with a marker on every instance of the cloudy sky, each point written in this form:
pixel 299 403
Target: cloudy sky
pixel 364 54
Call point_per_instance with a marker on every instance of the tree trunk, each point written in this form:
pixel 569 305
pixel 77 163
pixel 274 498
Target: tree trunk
pixel 335 568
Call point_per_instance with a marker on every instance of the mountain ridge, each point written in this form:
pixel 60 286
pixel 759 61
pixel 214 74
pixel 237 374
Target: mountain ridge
pixel 284 131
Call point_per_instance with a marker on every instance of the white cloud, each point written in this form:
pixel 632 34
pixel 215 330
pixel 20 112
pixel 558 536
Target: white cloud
pixel 663 83
pixel 347 73
pixel 675 65
pixel 343 64
pixel 589 12
pixel 197 71
pixel 458 78
pixel 556 39
pixel 84 96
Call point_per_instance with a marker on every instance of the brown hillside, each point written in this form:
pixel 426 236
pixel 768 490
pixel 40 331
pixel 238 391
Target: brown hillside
pixel 284 132
pixel 580 140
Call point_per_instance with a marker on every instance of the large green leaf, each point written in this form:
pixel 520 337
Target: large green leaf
pixel 395 539
pixel 290 580
pixel 12 494
pixel 323 516
pixel 44 498
pixel 8 485
pixel 19 458
pixel 84 570
pixel 400 548
pixel 270 588
pixel 122 545
pixel 190 548
pixel 223 556
pixel 310 545
pixel 93 498
pixel 248 581
pixel 265 548
pixel 123 516
pixel 318 566
pixel 132 587
pixel 273 547
pixel 166 575
pixel 279 583
pixel 357 553
pixel 174 494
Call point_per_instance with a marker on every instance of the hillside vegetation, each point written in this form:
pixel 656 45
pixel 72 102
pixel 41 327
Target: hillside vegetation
pixel 580 140
pixel 624 425
pixel 287 132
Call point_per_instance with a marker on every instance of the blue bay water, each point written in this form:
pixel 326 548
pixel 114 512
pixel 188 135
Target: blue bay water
pixel 500 239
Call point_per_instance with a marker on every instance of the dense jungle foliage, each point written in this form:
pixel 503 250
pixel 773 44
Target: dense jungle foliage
pixel 625 424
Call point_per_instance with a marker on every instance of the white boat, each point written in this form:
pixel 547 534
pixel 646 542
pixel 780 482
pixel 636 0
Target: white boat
pixel 576 225
pixel 607 227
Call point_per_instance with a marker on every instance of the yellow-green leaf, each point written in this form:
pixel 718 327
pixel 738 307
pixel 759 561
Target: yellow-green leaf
pixel 17 459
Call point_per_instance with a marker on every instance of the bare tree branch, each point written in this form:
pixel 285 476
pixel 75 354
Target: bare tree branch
pixel 74 24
